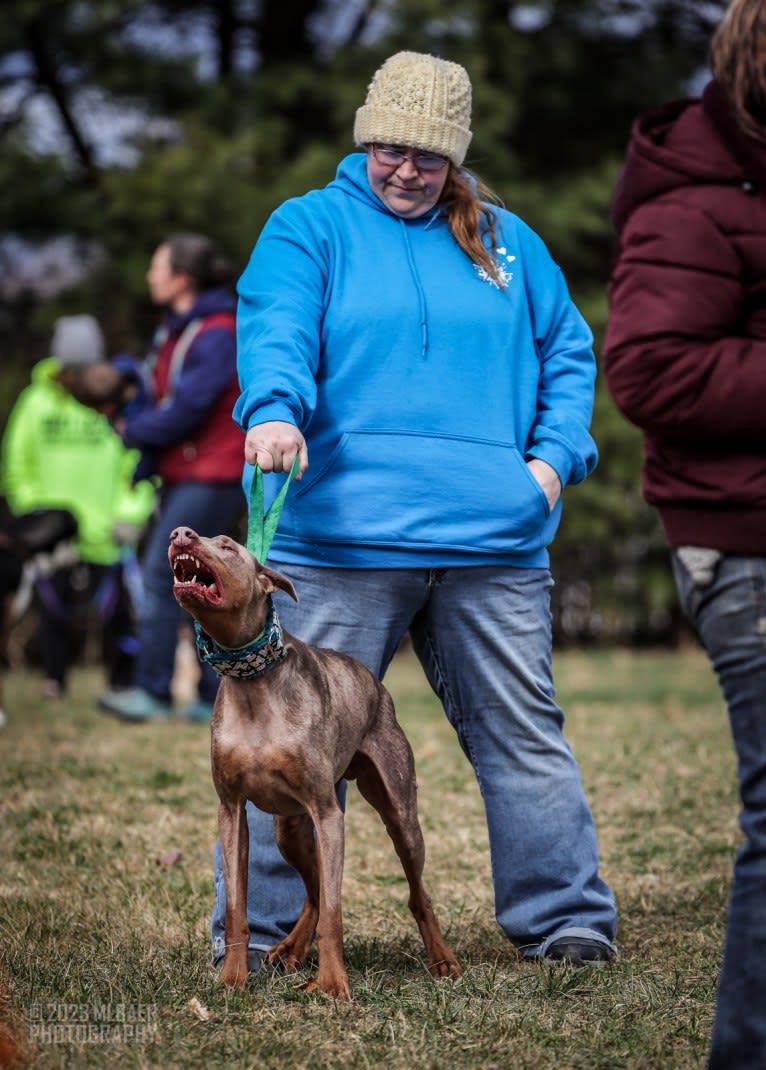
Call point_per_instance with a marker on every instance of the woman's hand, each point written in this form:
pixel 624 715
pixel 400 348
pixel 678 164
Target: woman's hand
pixel 273 446
pixel 548 479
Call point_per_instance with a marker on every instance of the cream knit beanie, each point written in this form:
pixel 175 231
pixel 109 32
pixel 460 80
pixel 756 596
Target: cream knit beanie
pixel 418 101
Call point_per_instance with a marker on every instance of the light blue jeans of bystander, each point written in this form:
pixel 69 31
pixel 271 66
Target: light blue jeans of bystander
pixel 483 637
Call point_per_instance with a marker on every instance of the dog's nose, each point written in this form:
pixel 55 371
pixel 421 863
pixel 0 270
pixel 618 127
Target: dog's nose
pixel 182 536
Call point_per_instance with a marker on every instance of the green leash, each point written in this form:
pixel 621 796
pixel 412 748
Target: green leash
pixel 261 528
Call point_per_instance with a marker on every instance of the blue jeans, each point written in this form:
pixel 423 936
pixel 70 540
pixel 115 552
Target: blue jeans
pixel 483 637
pixel 728 609
pixel 211 509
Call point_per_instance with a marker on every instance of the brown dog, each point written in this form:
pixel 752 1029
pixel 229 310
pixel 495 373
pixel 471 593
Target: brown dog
pixel 289 723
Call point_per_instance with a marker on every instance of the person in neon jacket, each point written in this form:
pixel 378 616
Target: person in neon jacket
pixel 59 454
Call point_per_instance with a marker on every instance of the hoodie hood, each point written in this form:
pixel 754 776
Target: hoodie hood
pixel 208 303
pixel 351 178
pixel 44 373
pixel 686 143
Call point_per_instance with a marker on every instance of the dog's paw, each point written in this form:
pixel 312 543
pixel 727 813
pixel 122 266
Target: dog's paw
pixel 234 974
pixel 445 967
pixel 287 956
pixel 335 988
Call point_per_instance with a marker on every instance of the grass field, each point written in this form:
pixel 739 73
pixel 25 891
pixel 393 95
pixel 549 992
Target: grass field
pixel 104 950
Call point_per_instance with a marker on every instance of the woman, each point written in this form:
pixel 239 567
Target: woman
pixel 684 356
pixel 419 348
pixel 197 449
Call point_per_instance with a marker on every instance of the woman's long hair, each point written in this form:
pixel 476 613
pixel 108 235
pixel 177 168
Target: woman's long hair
pixel 471 220
pixel 738 62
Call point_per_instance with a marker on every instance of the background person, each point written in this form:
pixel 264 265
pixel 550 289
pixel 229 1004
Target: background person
pixel 685 359
pixel 59 454
pixel 188 429
pixel 420 348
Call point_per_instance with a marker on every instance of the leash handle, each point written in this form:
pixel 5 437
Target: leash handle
pixel 262 527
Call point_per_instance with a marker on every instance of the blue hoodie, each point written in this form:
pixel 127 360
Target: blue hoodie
pixel 421 387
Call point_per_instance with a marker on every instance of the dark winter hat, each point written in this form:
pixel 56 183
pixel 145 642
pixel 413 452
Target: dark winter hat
pixel 77 340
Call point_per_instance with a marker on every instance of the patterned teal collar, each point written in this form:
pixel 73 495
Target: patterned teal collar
pixel 254 659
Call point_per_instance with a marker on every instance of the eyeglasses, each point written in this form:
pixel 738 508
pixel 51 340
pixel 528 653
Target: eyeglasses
pixel 389 156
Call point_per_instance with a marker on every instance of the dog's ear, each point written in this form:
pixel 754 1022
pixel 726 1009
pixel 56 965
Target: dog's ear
pixel 275 581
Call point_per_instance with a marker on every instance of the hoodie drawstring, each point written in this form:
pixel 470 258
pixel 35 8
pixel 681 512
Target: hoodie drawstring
pixel 419 290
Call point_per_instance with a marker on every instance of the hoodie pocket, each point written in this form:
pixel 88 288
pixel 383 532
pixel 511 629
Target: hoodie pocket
pixel 385 488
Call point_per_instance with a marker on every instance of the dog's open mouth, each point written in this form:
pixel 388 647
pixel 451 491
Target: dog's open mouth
pixel 195 577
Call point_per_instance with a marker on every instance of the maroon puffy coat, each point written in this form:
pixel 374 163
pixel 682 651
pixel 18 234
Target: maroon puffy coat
pixel 685 348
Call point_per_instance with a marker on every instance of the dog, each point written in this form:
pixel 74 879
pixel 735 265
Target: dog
pixel 22 539
pixel 290 721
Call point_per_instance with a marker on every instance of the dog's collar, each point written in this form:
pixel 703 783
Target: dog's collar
pixel 254 659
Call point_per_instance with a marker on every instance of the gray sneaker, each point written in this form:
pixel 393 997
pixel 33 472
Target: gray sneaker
pixel 197 711
pixel 578 951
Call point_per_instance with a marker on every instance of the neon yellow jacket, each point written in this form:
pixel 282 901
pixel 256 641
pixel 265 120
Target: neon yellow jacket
pixel 56 453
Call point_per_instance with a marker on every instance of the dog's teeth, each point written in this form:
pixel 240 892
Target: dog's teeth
pixel 184 564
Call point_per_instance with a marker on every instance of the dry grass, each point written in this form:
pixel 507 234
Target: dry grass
pixel 91 922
